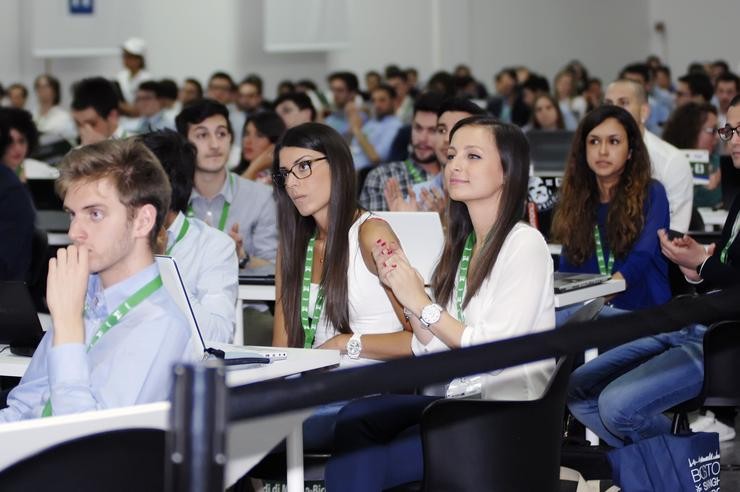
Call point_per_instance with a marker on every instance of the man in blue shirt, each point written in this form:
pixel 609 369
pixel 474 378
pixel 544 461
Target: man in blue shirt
pixel 344 88
pixel 372 141
pixel 116 332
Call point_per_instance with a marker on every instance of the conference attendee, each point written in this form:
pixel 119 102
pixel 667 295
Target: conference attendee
pixel 725 90
pixel 717 69
pixel 240 207
pixel 17 213
pixel 344 88
pixel 610 209
pixel 432 198
pixel 372 80
pixel 616 395
pixel 17 96
pixel 285 87
pixel 115 331
pixel 571 104
pixel 22 137
pixel 295 109
pixel 51 119
pixel 660 105
pixel 148 106
pixel 694 126
pixel 168 99
pixel 421 166
pixel 372 139
pixel 403 103
pixel 494 281
pixel 95 111
pixel 261 131
pixel 502 103
pixel 248 102
pixel 205 256
pixel 325 248
pixel 190 92
pixel 546 114
pixel 694 86
pixel 134 73
pixel 668 164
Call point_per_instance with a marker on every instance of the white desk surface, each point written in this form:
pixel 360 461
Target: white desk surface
pixel 612 286
pixel 713 218
pixel 247 442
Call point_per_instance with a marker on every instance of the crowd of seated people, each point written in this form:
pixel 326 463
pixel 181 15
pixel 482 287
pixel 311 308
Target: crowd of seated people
pixel 221 178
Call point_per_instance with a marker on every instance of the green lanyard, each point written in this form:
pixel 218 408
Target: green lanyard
pixel 114 318
pixel 224 209
pixel 309 327
pixel 413 172
pixel 183 230
pixel 735 228
pixel 462 274
pixel 605 267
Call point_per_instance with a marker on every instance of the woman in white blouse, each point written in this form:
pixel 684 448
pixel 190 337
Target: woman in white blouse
pixel 50 118
pixel 494 280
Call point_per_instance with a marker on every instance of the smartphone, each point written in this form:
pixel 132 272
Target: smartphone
pixel 674 234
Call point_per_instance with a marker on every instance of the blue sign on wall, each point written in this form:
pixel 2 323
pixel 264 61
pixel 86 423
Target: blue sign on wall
pixel 81 6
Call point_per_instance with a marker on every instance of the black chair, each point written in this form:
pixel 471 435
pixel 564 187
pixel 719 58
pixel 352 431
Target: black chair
pixel 122 460
pixel 36 278
pixel 496 445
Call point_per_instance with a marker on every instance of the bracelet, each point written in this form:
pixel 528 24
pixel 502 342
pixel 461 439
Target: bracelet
pixel 407 313
pixel 700 266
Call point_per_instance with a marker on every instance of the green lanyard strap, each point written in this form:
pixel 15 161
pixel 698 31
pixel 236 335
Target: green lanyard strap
pixel 416 177
pixel 114 318
pixel 183 230
pixel 224 209
pixel 309 327
pixel 735 228
pixel 605 267
pixel 462 274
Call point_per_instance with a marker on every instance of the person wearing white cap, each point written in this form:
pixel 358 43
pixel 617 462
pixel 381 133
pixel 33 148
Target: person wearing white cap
pixel 134 74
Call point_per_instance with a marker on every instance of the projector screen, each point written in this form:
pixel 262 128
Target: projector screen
pixel 305 25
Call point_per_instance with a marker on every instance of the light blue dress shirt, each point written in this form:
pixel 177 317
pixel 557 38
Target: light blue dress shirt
pixel 380 133
pixel 131 364
pixel 206 259
pixel 252 207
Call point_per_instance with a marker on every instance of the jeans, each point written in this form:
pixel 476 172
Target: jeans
pixel 622 394
pixel 377 444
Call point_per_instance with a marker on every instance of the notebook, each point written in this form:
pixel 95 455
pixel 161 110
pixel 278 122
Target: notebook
pixel 19 324
pixel 566 282
pixel 421 238
pixel 231 354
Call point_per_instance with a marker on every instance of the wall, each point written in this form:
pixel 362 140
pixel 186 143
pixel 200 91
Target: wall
pixel 696 31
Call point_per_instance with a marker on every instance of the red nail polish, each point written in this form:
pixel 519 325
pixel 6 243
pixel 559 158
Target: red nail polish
pixel 378 241
pixel 394 265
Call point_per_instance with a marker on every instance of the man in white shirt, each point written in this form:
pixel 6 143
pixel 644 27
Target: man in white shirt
pixel 669 165
pixel 50 118
pixel 115 331
pixel 95 110
pixel 133 51
pixel 205 256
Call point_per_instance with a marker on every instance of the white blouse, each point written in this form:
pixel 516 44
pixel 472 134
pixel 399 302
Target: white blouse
pixel 516 299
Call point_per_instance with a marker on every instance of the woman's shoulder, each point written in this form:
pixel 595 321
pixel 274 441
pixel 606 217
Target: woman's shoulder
pixel 524 237
pixel 657 192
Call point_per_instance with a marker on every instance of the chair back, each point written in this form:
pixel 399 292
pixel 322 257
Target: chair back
pixel 496 445
pixel 120 460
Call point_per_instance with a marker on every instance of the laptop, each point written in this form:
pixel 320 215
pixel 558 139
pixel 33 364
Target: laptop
pixel 548 151
pixel 263 275
pixel 229 353
pixel 19 324
pixel 566 282
pixel 421 238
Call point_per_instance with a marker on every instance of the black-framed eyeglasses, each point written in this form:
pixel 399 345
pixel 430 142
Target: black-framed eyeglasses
pixel 301 170
pixel 725 133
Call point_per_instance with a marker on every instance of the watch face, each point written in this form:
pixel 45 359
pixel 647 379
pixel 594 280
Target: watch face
pixel 354 347
pixel 431 314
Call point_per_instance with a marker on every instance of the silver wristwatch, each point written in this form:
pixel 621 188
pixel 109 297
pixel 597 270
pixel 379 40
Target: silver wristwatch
pixel 430 314
pixel 354 346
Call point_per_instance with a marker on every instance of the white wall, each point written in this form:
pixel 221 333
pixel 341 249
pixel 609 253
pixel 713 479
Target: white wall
pixel 696 31
pixel 195 38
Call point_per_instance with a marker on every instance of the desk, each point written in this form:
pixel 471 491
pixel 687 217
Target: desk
pixel 247 442
pixel 713 218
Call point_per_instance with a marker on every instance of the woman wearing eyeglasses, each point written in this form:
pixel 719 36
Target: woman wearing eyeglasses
pixel 328 292
pixel 694 126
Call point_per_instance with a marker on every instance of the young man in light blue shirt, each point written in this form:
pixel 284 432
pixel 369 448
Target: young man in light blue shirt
pixel 205 256
pixel 116 332
pixel 372 141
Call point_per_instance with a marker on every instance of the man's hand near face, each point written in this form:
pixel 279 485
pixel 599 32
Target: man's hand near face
pixel 65 293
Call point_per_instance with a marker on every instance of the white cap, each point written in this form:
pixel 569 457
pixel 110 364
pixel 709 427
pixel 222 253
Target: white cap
pixel 135 46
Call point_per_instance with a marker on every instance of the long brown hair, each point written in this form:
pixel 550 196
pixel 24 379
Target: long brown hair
pixel 514 151
pixel 575 215
pixel 296 230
